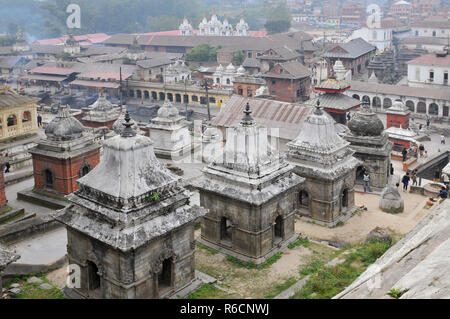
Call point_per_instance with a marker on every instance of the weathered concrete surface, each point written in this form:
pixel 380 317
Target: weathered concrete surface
pixel 42 248
pixel 419 263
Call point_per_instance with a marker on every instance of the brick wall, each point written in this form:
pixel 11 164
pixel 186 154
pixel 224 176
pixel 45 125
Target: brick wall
pixel 65 171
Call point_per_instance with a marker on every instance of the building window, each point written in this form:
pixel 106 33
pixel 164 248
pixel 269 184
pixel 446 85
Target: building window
pixel 273 82
pixel 431 76
pixel 434 33
pixel 26 117
pixel 12 120
pixel 249 54
pixel 249 93
pixel 446 77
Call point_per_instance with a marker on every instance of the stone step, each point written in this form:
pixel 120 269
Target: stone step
pixel 10 215
pixel 29 195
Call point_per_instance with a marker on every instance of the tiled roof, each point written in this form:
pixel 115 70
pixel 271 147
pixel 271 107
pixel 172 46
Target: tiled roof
pixel 47 48
pixel 251 63
pixel 151 63
pixel 269 113
pixel 425 40
pixel 335 101
pixel 294 70
pixel 442 24
pixel 431 59
pixel 9 98
pixel 8 62
pixel 354 48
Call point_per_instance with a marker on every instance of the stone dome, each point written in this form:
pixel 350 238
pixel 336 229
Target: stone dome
pixel 64 126
pixel 366 123
pixel 102 104
pixel 168 110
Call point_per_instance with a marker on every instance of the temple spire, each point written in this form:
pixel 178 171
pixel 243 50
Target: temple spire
pixel 247 119
pixel 128 131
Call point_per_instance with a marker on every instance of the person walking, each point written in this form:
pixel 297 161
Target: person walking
pixel 442 139
pixel 366 180
pixel 405 181
pixel 443 194
pixel 428 122
pixel 392 170
pixel 7 165
pixel 414 177
pixel 404 153
pixel 39 120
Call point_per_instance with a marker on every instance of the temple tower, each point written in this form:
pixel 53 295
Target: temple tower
pixel 325 160
pixel 371 145
pixel 170 132
pixel 68 153
pixel 250 192
pixel 397 115
pixel 130 225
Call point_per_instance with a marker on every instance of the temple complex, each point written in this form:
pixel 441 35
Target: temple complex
pixel 130 225
pixel 326 161
pixel 371 145
pixel 101 114
pixel 170 133
pixel 250 193
pixel 67 153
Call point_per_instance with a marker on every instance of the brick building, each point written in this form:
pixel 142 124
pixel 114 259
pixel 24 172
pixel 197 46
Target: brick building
pixel 67 154
pixel 247 85
pixel 355 55
pixel 289 81
pixel 102 113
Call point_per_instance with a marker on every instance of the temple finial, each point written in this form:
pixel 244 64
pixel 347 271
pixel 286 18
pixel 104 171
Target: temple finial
pixel 247 119
pixel 128 131
pixel 318 110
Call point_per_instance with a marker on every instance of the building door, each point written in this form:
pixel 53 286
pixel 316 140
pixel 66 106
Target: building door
pixel 344 201
pixel 48 176
pixel 165 277
pixel 93 276
pixel 225 230
pixel 278 230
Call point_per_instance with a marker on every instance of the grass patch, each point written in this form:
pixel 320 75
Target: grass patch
pixel 205 291
pixel 12 218
pixel 281 287
pixel 5 209
pixel 396 293
pixel 252 265
pixel 326 282
pixel 210 250
pixel 33 291
pixel 299 242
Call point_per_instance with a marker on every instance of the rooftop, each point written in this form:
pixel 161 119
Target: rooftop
pixel 432 59
pixel 352 49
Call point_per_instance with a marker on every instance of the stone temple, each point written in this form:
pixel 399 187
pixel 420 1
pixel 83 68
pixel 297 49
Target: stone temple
pixel 371 145
pixel 326 161
pixel 170 133
pixel 68 153
pixel 250 192
pixel 130 225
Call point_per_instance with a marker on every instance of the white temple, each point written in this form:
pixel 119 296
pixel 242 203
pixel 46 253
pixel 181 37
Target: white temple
pixel 214 27
pixel 186 28
pixel 224 77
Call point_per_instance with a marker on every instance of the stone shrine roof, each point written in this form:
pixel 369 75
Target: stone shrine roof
pixel 249 169
pixel 130 198
pixel 365 122
pixel 319 150
pixel 64 126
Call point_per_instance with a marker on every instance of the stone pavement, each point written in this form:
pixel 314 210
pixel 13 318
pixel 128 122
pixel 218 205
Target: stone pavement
pixel 42 248
pixel 11 196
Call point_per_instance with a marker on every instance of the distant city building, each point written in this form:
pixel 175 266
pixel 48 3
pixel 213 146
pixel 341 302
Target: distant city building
pixel 438 28
pixel 430 70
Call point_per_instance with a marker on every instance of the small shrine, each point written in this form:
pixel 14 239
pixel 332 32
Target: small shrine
pixel 130 225
pixel 101 114
pixel 250 192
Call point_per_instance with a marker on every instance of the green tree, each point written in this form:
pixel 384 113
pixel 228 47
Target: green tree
pixel 238 58
pixel 278 20
pixel 202 53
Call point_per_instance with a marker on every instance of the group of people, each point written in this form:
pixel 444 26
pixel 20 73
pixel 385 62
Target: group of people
pixel 409 176
pixel 415 151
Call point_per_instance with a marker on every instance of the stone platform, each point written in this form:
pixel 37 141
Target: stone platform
pixel 49 200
